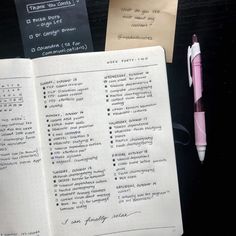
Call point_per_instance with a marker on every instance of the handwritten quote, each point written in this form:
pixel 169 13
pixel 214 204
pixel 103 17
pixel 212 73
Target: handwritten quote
pixel 140 17
pixel 98 219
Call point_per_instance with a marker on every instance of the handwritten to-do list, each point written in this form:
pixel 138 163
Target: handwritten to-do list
pixel 133 23
pixel 54 27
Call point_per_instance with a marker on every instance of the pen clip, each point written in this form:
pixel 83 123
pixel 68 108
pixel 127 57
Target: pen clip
pixel 190 79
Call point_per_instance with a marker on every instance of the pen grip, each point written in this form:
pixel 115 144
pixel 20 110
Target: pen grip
pixel 200 128
pixel 197 79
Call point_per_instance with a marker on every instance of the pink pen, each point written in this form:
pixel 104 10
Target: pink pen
pixel 194 54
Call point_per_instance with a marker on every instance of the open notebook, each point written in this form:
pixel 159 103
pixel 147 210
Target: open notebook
pixel 86 146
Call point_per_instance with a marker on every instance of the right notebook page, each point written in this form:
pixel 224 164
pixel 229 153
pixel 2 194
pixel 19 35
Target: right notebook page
pixel 107 143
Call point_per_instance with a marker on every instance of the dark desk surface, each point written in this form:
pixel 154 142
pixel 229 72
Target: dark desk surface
pixel 204 188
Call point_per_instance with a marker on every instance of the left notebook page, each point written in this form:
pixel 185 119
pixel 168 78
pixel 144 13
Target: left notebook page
pixel 23 207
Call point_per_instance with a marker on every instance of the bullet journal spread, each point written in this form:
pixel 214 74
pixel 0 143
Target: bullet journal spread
pixel 86 146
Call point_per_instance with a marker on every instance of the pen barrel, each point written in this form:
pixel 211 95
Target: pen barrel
pixel 200 129
pixel 197 80
pixel 198 105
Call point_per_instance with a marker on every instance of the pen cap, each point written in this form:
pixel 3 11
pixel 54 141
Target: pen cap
pixel 192 53
pixel 195 50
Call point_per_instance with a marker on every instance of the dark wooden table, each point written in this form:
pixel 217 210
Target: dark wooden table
pixel 205 190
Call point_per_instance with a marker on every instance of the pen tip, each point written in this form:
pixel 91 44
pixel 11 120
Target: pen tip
pixel 201 153
pixel 194 38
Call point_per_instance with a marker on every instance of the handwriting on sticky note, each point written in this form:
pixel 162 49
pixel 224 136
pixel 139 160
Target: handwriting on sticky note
pixel 138 18
pixel 133 23
pixel 142 17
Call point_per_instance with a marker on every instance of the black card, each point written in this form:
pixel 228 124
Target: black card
pixel 54 27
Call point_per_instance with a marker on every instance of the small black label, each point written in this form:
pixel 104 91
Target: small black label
pixel 54 27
